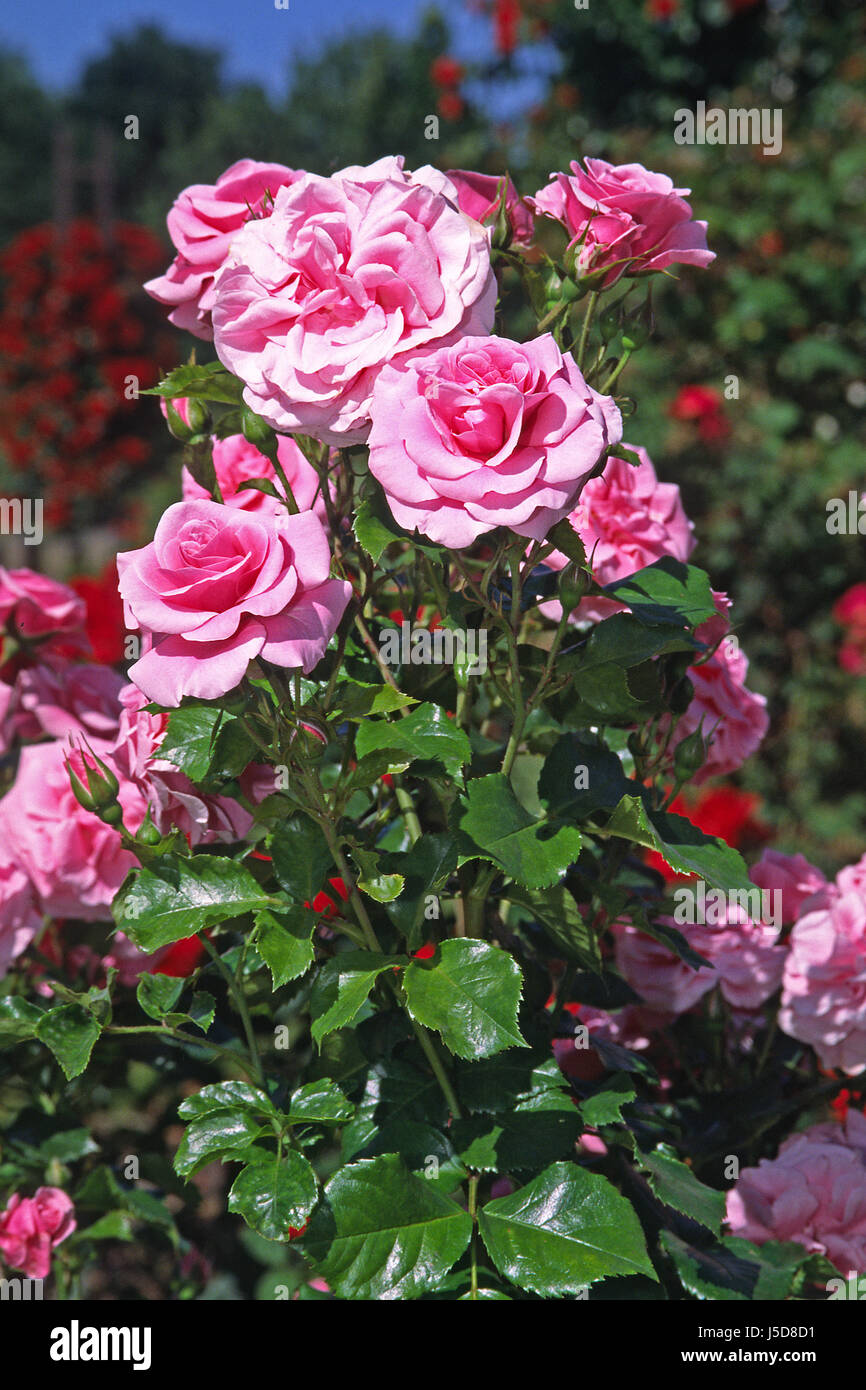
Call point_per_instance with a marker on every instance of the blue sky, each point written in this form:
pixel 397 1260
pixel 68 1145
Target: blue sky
pixel 259 41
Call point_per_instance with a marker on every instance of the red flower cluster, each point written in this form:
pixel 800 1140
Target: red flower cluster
pixel 850 611
pixel 447 74
pixel 74 328
pixel 104 622
pixel 703 406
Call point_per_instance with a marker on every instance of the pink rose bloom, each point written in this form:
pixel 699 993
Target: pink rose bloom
pixel 75 863
pixel 813 1192
pixel 219 586
pixel 791 875
pixel 62 699
pixel 487 433
pixel 148 782
pixel 734 719
pixel 852 879
pixel 746 959
pixel 31 1227
pixel 631 220
pixel 235 461
pixel 348 273
pixel 627 520
pixel 20 919
pixel 40 610
pixel 478 196
pixel 201 224
pixel 824 987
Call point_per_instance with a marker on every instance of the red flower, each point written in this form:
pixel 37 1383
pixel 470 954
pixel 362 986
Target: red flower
pixel 506 18
pixel 723 811
pixel 181 958
pixel 703 405
pixel 450 106
pixel 324 904
pixel 446 72
pixel 104 623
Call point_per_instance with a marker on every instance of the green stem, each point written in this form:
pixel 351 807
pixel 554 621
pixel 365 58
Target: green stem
pixel 588 317
pixel 175 1035
pixel 473 1256
pixel 605 389
pixel 237 994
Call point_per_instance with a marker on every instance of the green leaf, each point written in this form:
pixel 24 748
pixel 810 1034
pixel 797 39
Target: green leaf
pixel 580 776
pixel 605 1107
pixel 227 1095
pixel 320 1102
pixel 302 860
pixel 284 940
pixel 342 986
pixel 718 1273
pixel 68 1145
pixel 70 1032
pixel 382 887
pixel 676 1185
pixel 354 700
pixel 557 912
pixel 564 1231
pixel 190 738
pixel 207 381
pixel 274 1195
pixel 427 733
pixel 114 1225
pixel 666 592
pixel 495 826
pixel 425 867
pixel 470 993
pixel 18 1019
pixel 178 897
pixel 394 1091
pixel 566 539
pixel 158 994
pixel 382 1233
pixel 685 848
pixel 519 1142
pixel 375 528
pixel 513 1082
pixel 218 1133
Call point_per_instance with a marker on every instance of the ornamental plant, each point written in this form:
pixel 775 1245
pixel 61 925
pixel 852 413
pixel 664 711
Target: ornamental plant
pixel 383 812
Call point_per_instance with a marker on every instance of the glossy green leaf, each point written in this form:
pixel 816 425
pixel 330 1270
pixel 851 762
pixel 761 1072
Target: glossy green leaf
pixel 676 1185
pixel 217 1133
pixel 320 1102
pixel 427 733
pixel 275 1195
pixel 342 986
pixel 493 825
pixel 666 592
pixel 284 940
pixel 470 993
pixel 302 860
pixel 685 848
pixel 178 897
pixel 70 1031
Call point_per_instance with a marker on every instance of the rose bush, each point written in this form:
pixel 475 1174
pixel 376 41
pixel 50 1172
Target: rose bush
pixel 433 931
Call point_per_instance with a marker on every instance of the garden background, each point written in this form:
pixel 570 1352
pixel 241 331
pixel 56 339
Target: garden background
pixel 529 85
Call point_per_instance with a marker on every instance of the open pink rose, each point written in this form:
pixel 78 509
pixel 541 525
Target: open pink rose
pixel 792 876
pixel 75 863
pixel 824 987
pixel 813 1192
pixel 31 1227
pixel 39 610
pixel 218 587
pixel 632 221
pixel 348 273
pixel 626 519
pixel 236 461
pixel 745 959
pixel 487 433
pixel 733 718
pixel 201 224
pixel 62 699
pixel 478 195
pixel 20 919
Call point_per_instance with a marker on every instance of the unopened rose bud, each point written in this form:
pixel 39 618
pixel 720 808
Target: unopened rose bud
pixel 200 420
pixel 574 582
pixel 690 755
pixel 258 432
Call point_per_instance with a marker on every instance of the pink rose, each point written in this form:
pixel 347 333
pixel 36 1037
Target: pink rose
pixel 747 963
pixel 75 863
pixel 487 433
pixel 791 875
pixel 478 195
pixel 235 461
pixel 219 586
pixel 62 699
pixel 151 783
pixel 20 919
pixel 734 719
pixel 626 519
pixel 813 1192
pixel 36 609
pixel 628 220
pixel 824 986
pixel 31 1227
pixel 201 224
pixel 348 273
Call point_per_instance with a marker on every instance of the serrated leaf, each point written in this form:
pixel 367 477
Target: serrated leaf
pixel 207 381
pixel 218 1133
pixel 342 986
pixel 382 1233
pixel 284 940
pixel 320 1102
pixel 158 994
pixel 682 845
pixel 394 1091
pixel 511 1082
pixel 580 775
pixel 355 700
pixel 426 866
pixel 470 994
pixel 274 1195
pixel 227 1095
pixel 717 1273
pixel 375 528
pixel 676 1185
pixel 493 825
pixel 301 857
pixel 605 1107
pixel 557 912
pixel 190 738
pixel 564 1231
pixel 427 733
pixel 667 591
pixel 521 1141
pixel 18 1019
pixel 177 897
pixel 70 1032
